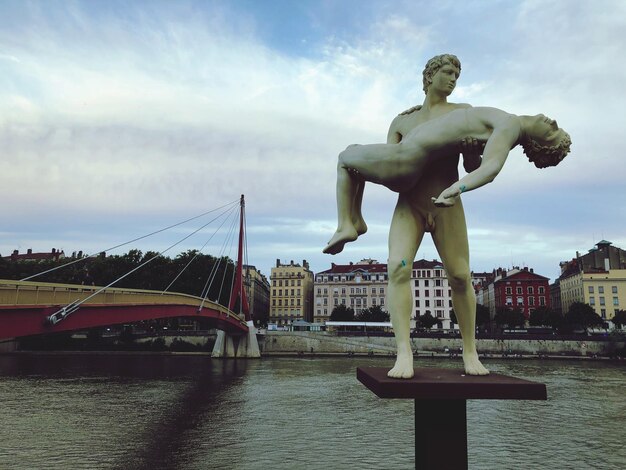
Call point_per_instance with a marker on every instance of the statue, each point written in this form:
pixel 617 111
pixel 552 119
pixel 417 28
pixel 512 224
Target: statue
pixel 419 161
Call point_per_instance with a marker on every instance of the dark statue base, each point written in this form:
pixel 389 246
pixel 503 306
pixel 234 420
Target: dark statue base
pixel 440 407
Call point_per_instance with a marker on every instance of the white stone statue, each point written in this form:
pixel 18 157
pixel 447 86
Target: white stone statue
pixel 420 161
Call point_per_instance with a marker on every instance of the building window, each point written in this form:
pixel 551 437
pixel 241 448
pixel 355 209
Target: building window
pixel 381 290
pixel 601 300
pixel 374 301
pixel 591 289
pixel 336 301
pixel 439 292
pixel 541 289
pixel 438 303
pixel 343 301
pixel 343 291
pixel 437 282
pixel 417 283
pixel 520 301
pixel 426 303
pixel 542 300
pixel 531 290
pixel 417 302
pixel 426 283
pixel 426 293
pixel 509 291
pixel 382 301
pixel 518 290
pixel 615 301
pixel 531 301
pixel 614 289
pixel 509 301
pixel 600 289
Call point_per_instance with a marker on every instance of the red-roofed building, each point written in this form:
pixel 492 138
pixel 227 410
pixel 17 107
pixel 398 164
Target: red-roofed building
pixel 522 289
pixel 29 256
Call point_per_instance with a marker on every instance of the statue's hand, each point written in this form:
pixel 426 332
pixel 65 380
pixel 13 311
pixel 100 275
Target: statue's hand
pixel 471 149
pixel 447 198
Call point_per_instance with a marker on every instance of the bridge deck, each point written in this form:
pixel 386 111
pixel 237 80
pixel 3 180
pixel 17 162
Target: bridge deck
pixel 24 305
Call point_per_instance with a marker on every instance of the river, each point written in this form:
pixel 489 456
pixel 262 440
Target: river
pixel 110 411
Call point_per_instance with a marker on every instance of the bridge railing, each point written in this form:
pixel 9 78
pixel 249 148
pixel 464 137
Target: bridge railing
pixel 44 293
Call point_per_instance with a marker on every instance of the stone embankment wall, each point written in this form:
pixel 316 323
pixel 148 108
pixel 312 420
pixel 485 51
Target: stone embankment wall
pixel 287 342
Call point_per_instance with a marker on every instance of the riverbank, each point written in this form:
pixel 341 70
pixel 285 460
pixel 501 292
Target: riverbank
pixel 322 343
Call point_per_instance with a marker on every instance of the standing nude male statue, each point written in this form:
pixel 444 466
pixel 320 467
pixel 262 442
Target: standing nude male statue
pixel 415 214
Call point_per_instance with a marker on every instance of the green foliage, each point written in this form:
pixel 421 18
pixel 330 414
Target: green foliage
pixel 545 316
pixel 373 314
pixel 156 275
pixel 619 320
pixel 342 313
pixel 426 321
pixel 511 318
pixel 582 315
pixel 483 317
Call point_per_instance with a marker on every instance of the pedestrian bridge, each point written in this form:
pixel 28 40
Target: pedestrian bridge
pixel 26 308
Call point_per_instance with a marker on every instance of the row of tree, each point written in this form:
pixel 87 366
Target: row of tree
pixel 372 314
pixel 157 274
pixel 579 315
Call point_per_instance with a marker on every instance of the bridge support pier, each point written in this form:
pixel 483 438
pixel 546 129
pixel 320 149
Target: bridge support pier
pixel 237 346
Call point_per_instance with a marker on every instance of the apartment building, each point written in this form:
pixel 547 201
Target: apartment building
pixel 358 285
pixel 291 295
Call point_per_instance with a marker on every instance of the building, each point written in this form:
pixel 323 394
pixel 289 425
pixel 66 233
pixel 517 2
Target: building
pixel 357 285
pixel 516 288
pixel 555 297
pixel 597 278
pixel 364 284
pixel 431 292
pixel 29 256
pixel 258 291
pixel 291 293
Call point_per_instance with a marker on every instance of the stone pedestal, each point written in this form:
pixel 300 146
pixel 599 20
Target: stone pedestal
pixel 440 407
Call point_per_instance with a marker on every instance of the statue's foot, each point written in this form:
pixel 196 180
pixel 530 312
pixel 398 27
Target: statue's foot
pixel 335 245
pixel 360 226
pixel 403 369
pixel 473 365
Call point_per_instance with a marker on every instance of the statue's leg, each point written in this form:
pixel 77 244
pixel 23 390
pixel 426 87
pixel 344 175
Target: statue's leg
pixel 357 215
pixel 405 235
pixel 346 193
pixel 450 237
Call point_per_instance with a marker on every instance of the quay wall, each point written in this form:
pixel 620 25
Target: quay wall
pixel 301 342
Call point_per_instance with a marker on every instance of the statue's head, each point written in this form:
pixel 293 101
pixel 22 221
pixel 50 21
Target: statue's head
pixel 544 142
pixel 433 66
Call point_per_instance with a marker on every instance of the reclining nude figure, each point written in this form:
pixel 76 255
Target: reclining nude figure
pixel 400 166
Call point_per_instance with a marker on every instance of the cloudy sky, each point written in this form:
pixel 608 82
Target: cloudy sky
pixel 118 118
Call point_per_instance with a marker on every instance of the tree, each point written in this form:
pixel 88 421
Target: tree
pixel 426 321
pixel 582 315
pixel 375 313
pixel 483 316
pixel 509 317
pixel 342 313
pixel 545 316
pixel 619 320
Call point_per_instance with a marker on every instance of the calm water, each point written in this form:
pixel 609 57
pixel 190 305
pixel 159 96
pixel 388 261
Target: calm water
pixel 191 412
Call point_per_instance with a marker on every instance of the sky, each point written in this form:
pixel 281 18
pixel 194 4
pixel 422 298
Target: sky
pixel 119 118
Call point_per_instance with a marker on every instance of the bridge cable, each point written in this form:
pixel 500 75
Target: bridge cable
pixel 197 253
pixel 75 305
pixel 233 203
pixel 225 271
pixel 213 274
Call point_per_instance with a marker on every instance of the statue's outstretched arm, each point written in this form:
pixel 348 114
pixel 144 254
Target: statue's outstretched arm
pixel 497 149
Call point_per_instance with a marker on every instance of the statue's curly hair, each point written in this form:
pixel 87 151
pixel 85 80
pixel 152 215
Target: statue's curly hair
pixel 434 64
pixel 544 156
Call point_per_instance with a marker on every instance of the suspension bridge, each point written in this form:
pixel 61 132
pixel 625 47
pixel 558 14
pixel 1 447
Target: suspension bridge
pixel 29 307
